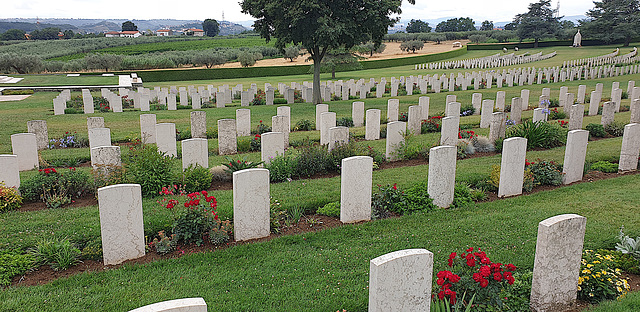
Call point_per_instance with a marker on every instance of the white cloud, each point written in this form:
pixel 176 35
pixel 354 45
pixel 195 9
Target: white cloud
pixel 495 10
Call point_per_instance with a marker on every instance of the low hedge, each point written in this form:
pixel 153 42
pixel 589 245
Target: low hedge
pixel 248 72
pixel 529 45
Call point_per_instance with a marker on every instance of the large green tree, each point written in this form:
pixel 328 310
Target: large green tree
pixel 320 25
pixel 613 20
pixel 13 34
pixel 418 26
pixel 129 26
pixel 487 25
pixel 538 23
pixel 211 27
pixel 456 24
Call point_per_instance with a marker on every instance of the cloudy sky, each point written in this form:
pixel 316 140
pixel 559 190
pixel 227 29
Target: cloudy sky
pixel 494 10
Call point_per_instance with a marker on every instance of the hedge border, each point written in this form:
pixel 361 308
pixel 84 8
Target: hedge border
pixel 529 45
pixel 249 72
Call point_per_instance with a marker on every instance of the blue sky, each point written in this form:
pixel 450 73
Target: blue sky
pixel 494 10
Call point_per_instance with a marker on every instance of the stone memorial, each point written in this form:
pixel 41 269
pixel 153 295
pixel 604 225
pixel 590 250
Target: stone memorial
pixel 498 126
pixel 487 112
pixel 393 109
pixel 423 102
pixel 177 305
pixel 9 170
pixel 539 115
pixel 414 120
pixel 99 137
pixel 39 128
pixel 442 174
pixel 121 223
pixel 198 124
pixel 338 136
pixel 105 157
pixel 280 124
pixel 372 128
pixel 227 137
pixel 327 120
pixel 271 146
pixel 401 281
pixel 576 116
pixel 453 109
pixel 500 100
pixel 251 204
pixel 630 148
pixel 449 131
pixel 514 152
pixel 195 152
pixel 516 110
pixel 320 108
pixel 574 156
pixel 355 189
pixel 395 138
pixel 556 266
pixel 95 122
pixel 357 114
pixel 243 122
pixel 608 111
pixel 476 101
pixel 166 139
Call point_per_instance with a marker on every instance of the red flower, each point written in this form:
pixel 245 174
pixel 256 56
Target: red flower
pixel 471 262
pixel 484 283
pixel 395 187
pixel 238 161
pixel 497 276
pixel 485 271
pixel 511 267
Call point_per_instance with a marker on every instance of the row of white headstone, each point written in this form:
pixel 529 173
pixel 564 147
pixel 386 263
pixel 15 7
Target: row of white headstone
pixel 402 280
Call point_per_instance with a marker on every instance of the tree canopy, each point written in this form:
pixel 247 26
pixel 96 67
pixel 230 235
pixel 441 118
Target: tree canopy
pixel 612 20
pixel 49 33
pixel 456 24
pixel 129 26
pixel 211 27
pixel 13 34
pixel 487 25
pixel 418 26
pixel 319 25
pixel 538 23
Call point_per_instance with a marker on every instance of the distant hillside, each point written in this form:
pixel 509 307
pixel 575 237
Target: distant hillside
pixel 106 25
pixel 28 27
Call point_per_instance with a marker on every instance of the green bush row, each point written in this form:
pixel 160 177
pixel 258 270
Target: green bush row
pixel 529 45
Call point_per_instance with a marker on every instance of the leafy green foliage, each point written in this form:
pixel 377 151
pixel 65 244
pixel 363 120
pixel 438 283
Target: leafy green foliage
pixel 330 209
pixel 49 183
pixel 600 279
pixel 456 24
pixel 196 178
pixel 60 254
pixel 391 199
pixel 412 46
pixel 12 264
pixel 539 134
pixel 192 224
pixel 10 199
pixel 345 122
pixel 615 128
pixel 628 245
pixel 211 27
pixel 462 197
pixel 596 130
pixel 605 166
pixel 150 168
pixel 234 165
pixel 417 26
pixel 164 244
pixel 613 20
pixel 305 125
pixel 545 172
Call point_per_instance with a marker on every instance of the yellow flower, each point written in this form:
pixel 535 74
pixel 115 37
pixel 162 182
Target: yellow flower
pixel 590 294
pixel 603 272
pixel 579 288
pixel 589 265
pixel 619 289
pixel 596 262
pixel 586 271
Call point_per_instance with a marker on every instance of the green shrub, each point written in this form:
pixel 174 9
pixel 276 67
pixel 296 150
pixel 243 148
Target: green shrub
pixel 219 233
pixel 312 159
pixel 17 92
pixel 60 254
pixel 304 125
pixel 482 144
pixel 12 264
pixel 467 110
pixel 165 244
pixel 605 166
pixel 624 261
pixel 418 199
pixel 53 187
pixel 92 250
pixel 330 209
pixel 261 128
pixel 462 197
pixel 282 167
pixel 150 168
pixel 388 198
pixel 596 130
pixel 599 278
pixel 196 178
pixel 191 225
pixel 554 114
pixel 539 134
pixel 615 129
pixel 545 172
pixel 344 122
pixel 10 199
pixel 433 124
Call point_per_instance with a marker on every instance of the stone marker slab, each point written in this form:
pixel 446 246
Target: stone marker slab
pixel 357 114
pixel 195 152
pixel 557 262
pixel 327 121
pixel 39 128
pixel 271 146
pixel 395 138
pixel 372 125
pixel 338 136
pixel 227 137
pixel 105 157
pixel 514 152
pixel 95 122
pixel 148 128
pixel 442 174
pixel 177 305
pixel 355 189
pixel 401 281
pixel 251 204
pixel 243 122
pixel 630 148
pixel 9 172
pixel 166 139
pixel 121 223
pixel 393 109
pixel 25 146
pixel 574 156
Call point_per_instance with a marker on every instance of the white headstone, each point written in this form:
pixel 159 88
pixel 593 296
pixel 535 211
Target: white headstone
pixel 442 175
pixel 195 152
pixel 355 189
pixel 271 146
pixel 395 138
pixel 574 156
pixel 251 204
pixel 514 152
pixel 9 170
pixel 630 148
pixel 166 139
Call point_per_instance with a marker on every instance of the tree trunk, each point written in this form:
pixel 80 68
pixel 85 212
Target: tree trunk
pixel 535 44
pixel 333 72
pixel 627 40
pixel 317 56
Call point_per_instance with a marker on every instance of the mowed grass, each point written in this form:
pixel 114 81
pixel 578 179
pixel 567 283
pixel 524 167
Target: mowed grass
pixel 325 271
pixel 328 270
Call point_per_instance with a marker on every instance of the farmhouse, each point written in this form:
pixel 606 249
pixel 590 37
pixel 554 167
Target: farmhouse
pixel 164 32
pixel 128 34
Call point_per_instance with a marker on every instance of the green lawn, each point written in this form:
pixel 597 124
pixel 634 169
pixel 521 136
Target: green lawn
pixel 53 80
pixel 328 270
